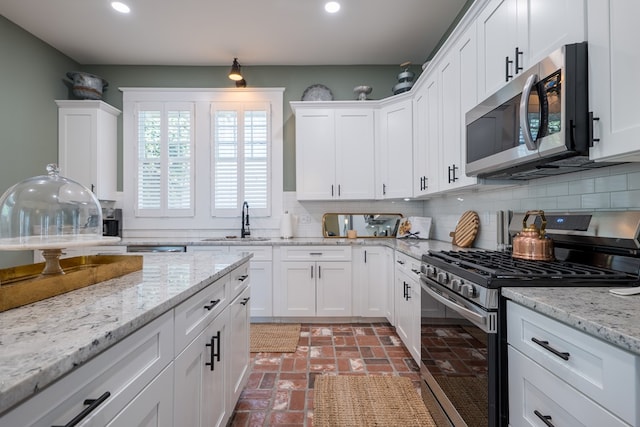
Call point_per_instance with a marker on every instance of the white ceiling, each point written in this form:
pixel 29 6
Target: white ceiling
pixel 258 32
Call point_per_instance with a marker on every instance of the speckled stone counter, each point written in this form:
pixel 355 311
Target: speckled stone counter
pixel 412 247
pixel 45 340
pixel 612 318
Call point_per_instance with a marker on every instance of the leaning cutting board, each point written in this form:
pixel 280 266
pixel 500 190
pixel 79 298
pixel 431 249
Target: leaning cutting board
pixel 466 230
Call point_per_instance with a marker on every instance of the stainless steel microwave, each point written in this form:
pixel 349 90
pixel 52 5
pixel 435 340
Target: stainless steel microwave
pixel 537 125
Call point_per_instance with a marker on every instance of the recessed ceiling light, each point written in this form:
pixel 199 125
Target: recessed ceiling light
pixel 120 7
pixel 332 6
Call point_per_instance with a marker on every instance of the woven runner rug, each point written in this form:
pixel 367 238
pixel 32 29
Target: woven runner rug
pixel 274 337
pixel 368 401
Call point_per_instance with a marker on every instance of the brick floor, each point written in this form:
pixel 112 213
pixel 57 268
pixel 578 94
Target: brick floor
pixel 279 391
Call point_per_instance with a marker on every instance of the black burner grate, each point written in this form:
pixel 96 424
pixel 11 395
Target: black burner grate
pixel 500 265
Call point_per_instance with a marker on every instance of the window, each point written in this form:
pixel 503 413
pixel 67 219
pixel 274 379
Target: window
pixel 241 158
pixel 192 156
pixel 165 142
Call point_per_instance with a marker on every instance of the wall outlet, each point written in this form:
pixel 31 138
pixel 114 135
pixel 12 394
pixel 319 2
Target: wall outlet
pixel 304 219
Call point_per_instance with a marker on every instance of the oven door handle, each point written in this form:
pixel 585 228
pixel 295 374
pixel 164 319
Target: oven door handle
pixel 477 319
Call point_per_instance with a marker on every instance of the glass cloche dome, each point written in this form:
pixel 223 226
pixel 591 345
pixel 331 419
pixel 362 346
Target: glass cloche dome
pixel 50 212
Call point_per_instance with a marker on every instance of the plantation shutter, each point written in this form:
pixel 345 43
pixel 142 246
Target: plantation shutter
pixel 165 138
pixel 241 158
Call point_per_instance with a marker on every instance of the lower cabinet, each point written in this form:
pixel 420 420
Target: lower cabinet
pixel 372 276
pixel 407 304
pixel 306 287
pixel 238 346
pixel 200 395
pixel 559 375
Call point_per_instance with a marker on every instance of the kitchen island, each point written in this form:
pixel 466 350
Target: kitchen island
pixel 44 341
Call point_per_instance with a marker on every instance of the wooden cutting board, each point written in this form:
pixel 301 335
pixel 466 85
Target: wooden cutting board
pixel 466 230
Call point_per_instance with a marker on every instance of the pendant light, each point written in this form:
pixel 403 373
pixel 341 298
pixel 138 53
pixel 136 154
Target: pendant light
pixel 235 74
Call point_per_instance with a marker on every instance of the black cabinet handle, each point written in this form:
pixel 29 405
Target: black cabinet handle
pixel 93 404
pixel 404 290
pixel 331 190
pixel 400 262
pixel 384 189
pixel 591 122
pixel 338 190
pixel 215 341
pixel 243 277
pixel 546 346
pixel 545 418
pixel 212 304
pixel 245 300
pixel 454 178
pixel 507 62
pixel 365 257
pixel 312 271
pixel 319 272
pixel 408 292
pixel 519 53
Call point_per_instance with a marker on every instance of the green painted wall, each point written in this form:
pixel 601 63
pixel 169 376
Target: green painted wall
pixel 32 76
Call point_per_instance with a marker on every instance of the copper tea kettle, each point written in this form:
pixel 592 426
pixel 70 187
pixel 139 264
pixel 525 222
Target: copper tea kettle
pixel 532 243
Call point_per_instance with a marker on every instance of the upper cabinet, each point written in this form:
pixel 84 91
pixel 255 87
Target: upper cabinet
pixel 334 151
pixel 87 145
pixel 614 67
pixel 512 34
pixel 396 149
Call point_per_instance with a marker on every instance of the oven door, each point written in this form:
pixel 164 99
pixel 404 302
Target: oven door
pixel 459 349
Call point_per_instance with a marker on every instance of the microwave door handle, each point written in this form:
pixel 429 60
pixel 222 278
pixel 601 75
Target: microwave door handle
pixel 524 112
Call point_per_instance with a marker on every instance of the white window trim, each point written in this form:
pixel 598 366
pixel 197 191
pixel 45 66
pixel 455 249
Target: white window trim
pixel 201 220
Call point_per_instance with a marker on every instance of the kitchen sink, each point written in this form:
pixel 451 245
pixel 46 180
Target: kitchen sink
pixel 235 239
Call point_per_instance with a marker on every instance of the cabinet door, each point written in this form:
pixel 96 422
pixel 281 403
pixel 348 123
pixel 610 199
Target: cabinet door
pixel 354 154
pixel 371 280
pixel 450 141
pixel 315 154
pixel 152 407
pixel 238 346
pixel 432 180
pixel 403 313
pixel 397 139
pixel 545 25
pixel 497 38
pixel 87 149
pixel 413 329
pixel 420 141
pixel 614 67
pixel 261 288
pixel 295 293
pixel 200 396
pixel 333 289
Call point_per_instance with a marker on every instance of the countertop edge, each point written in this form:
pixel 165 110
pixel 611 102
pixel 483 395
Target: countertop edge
pixel 594 311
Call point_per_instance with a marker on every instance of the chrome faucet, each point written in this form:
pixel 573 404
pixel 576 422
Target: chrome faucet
pixel 244 232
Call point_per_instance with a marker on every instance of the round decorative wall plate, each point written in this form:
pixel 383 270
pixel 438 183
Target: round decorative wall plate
pixel 317 92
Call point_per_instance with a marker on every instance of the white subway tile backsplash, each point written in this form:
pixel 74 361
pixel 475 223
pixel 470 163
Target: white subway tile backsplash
pixel 570 202
pixel 581 186
pixel 610 183
pixel 558 189
pixel 625 199
pixel 596 200
pixel 633 181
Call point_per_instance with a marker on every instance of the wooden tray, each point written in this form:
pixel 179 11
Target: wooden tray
pixel 24 284
pixel 466 230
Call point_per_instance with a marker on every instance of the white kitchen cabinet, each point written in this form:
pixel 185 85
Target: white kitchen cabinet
pixel 514 34
pixel 87 145
pixel 614 66
pixel 238 342
pixel 567 375
pixel 308 287
pixel 407 303
pixel 334 152
pixel 395 130
pixel 372 277
pixel 112 379
pixel 261 272
pixel 152 407
pixel 200 391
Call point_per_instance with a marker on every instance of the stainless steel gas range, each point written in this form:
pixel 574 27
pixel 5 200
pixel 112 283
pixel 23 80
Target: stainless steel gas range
pixel 463 322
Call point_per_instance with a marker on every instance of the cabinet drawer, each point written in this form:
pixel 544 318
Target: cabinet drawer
pixel 193 315
pixel 260 253
pixel 408 264
pixel 603 372
pixel 238 280
pixel 316 253
pixel 123 371
pixel 533 390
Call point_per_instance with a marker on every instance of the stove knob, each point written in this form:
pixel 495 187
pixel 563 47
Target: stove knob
pixel 468 291
pixel 443 278
pixel 456 284
pixel 429 270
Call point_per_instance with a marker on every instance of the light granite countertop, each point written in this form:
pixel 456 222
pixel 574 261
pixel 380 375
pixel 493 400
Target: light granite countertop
pixel 412 247
pixel 596 311
pixel 43 341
